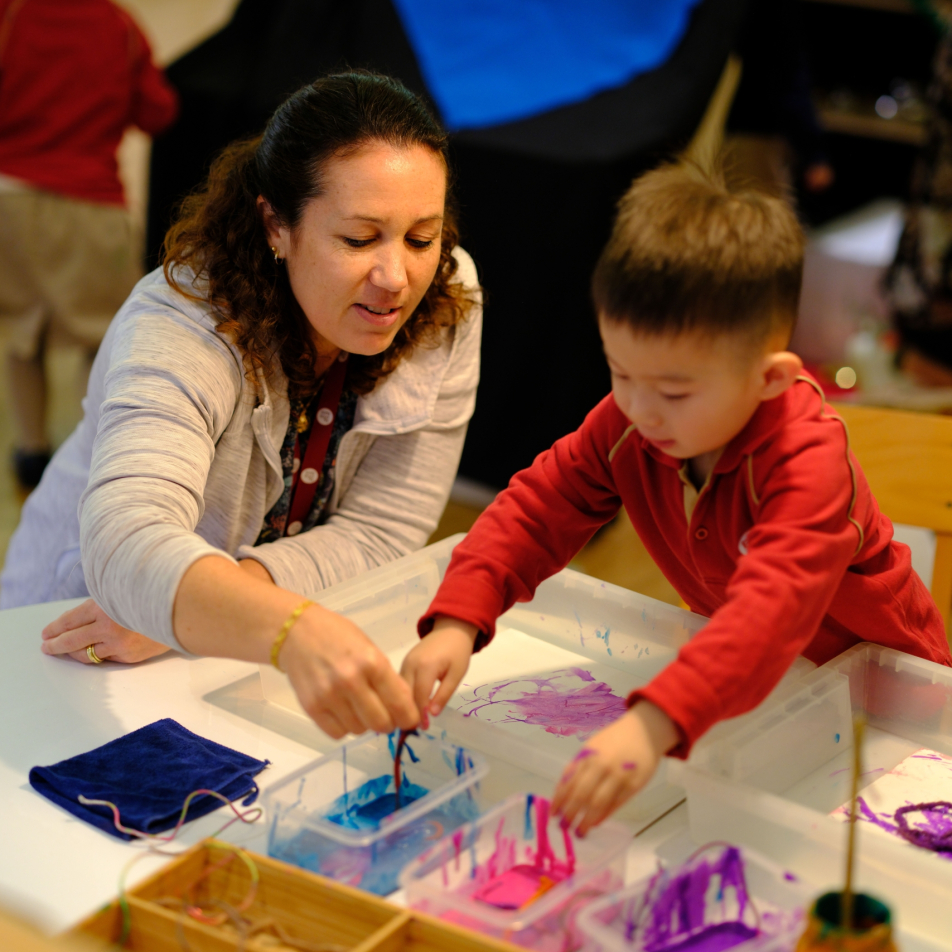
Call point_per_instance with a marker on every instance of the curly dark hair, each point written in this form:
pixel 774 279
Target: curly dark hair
pixel 220 237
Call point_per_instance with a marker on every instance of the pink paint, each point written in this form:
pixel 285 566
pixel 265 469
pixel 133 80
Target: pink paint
pixel 457 846
pixel 503 883
pixel 629 765
pixel 567 709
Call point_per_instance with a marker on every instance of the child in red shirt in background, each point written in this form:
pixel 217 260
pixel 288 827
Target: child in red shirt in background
pixel 74 75
pixel 736 475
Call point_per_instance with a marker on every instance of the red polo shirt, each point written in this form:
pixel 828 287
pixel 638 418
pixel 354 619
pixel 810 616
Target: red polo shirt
pixel 74 75
pixel 784 549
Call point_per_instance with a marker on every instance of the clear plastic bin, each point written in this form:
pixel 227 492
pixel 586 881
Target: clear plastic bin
pixel 518 874
pixel 339 816
pixel 771 783
pixel 774 916
pixel 622 638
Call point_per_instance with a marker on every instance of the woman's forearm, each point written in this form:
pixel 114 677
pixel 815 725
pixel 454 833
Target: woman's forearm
pixel 226 611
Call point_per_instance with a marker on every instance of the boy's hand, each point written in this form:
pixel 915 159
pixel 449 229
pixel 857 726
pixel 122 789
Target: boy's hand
pixel 443 655
pixel 614 765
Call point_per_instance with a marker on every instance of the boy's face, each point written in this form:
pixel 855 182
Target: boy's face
pixel 691 393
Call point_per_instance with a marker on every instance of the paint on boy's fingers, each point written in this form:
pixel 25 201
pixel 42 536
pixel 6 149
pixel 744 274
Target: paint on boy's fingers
pixel 583 753
pixel 629 765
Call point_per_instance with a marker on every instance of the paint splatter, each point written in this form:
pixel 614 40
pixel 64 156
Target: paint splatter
pixel 569 702
pixel 604 636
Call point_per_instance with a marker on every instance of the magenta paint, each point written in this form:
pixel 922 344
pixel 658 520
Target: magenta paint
pixel 506 884
pixel 579 710
pixel 629 765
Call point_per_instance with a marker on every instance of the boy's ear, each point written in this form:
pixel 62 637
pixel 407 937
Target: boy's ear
pixel 780 370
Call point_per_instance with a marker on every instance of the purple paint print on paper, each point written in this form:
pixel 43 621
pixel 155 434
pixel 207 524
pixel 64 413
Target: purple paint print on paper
pixel 913 801
pixel 569 702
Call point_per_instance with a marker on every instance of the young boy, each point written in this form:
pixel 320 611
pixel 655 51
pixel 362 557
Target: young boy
pixel 736 475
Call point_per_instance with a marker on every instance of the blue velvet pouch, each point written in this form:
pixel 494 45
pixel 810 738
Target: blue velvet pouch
pixel 148 774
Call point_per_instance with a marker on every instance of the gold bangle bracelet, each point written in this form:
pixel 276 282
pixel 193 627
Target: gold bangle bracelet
pixel 286 630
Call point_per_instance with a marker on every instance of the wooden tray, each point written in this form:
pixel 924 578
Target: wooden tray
pixel 293 911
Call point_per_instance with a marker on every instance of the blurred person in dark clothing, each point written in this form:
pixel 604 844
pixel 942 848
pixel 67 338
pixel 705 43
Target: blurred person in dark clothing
pixel 74 75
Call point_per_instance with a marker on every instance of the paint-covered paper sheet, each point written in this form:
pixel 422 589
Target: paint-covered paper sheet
pixel 913 802
pixel 551 696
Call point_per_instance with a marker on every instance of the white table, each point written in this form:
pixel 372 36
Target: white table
pixel 56 869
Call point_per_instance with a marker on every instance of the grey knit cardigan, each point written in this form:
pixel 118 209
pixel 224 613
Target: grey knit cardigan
pixel 177 457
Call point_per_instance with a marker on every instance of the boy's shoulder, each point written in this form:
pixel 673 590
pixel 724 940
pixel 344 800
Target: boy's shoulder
pixel 798 429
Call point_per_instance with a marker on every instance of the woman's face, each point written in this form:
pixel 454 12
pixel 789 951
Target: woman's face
pixel 365 251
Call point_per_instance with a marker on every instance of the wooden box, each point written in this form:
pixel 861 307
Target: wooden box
pixel 293 910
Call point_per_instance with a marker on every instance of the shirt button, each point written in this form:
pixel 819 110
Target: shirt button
pixel 309 475
pixel 701 534
pixel 325 417
pixel 295 528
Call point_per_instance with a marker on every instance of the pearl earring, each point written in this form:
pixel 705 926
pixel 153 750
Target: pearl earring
pixel 277 257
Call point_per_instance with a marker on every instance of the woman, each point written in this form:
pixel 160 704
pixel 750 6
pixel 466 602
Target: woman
pixel 282 407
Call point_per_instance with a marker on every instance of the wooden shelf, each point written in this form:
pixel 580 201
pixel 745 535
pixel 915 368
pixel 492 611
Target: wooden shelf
pixel 872 127
pixel 891 6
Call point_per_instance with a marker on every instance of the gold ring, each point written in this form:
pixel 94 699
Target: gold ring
pixel 91 654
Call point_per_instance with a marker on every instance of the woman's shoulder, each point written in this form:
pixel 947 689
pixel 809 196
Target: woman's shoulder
pixel 163 320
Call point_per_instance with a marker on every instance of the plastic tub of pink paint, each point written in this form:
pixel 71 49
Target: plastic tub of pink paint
pixel 715 898
pixel 341 816
pixel 517 873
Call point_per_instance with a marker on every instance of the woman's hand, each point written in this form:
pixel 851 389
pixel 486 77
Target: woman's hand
pixel 443 655
pixel 614 765
pixel 87 624
pixel 342 679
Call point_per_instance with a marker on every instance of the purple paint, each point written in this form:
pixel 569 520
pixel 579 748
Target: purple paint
pixel 933 829
pixel 680 916
pixel 579 709
pixel 629 765
pixel 865 773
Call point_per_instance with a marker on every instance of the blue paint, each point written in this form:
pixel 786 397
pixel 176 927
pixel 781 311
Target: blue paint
pixel 528 833
pixel 581 633
pixel 371 802
pixel 604 637
pixel 836 737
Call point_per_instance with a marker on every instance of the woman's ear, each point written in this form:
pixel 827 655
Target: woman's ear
pixel 781 369
pixel 278 235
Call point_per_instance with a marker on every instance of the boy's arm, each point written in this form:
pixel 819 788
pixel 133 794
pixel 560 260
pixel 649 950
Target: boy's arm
pixel 532 529
pixel 805 535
